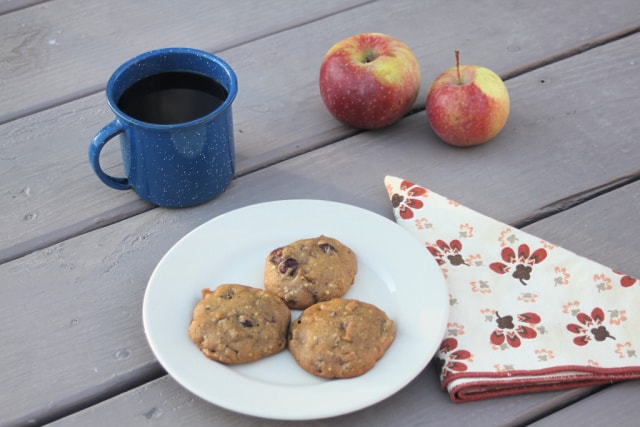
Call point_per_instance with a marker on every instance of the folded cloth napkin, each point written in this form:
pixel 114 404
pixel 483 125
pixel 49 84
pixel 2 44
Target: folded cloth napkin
pixel 525 315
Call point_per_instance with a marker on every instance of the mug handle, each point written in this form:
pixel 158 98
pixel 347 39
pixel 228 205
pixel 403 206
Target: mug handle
pixel 97 144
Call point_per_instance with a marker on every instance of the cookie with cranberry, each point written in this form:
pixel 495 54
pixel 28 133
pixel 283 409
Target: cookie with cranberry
pixel 308 271
pixel 340 338
pixel 238 324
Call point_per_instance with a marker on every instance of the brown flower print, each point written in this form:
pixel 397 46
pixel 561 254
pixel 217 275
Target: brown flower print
pixel 443 251
pixel 512 331
pixel 520 263
pixel 449 359
pixel 406 204
pixel 590 327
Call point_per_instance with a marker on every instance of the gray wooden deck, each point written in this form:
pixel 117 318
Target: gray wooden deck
pixel 76 256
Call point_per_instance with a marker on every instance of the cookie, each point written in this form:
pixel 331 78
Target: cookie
pixel 238 324
pixel 340 338
pixel 308 271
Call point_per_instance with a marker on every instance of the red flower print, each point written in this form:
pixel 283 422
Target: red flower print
pixel 450 251
pixel 590 327
pixel 449 360
pixel 408 202
pixel 522 261
pixel 627 281
pixel 510 332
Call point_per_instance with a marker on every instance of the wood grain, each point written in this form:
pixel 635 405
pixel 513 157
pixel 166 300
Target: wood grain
pixel 81 254
pixel 278 112
pixel 422 402
pixel 60 50
pixel 615 406
pixel 7 6
pixel 123 255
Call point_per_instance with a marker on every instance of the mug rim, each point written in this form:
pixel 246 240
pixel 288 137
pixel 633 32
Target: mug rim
pixel 232 90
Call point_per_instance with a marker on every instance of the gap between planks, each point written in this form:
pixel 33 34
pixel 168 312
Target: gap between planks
pixel 546 211
pixel 577 199
pixel 34 109
pixel 559 56
pixel 591 44
pixel 15 5
pixel 155 372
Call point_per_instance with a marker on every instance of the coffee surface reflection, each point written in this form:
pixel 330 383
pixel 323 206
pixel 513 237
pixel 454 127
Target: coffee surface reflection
pixel 172 97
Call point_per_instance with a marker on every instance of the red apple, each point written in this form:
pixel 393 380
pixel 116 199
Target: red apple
pixel 369 81
pixel 467 105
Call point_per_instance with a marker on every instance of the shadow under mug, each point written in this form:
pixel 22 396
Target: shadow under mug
pixel 171 164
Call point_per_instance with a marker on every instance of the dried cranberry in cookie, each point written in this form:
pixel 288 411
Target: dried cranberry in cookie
pixel 308 271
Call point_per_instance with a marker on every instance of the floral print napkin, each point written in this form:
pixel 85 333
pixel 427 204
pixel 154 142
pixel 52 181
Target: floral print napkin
pixel 525 315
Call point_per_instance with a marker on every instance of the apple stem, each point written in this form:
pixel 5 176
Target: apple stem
pixel 370 56
pixel 458 66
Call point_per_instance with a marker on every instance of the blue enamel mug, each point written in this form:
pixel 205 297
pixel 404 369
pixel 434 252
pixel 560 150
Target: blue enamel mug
pixel 174 121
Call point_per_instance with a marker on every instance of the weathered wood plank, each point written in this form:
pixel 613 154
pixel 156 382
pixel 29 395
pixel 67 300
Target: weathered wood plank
pixel 421 403
pixel 60 50
pixel 594 230
pixel 111 265
pixel 615 406
pixel 7 6
pixel 598 229
pixel 45 154
pixel 278 112
pixel 82 297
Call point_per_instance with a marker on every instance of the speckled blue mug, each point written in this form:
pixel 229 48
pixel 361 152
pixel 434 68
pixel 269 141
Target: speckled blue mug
pixel 177 163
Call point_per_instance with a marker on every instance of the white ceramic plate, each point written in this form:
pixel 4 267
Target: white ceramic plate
pixel 395 272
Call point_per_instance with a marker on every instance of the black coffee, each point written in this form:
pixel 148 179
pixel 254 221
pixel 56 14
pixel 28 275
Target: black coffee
pixel 172 97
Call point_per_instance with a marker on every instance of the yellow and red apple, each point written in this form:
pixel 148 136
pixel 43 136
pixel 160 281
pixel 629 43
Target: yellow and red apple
pixel 467 105
pixel 369 81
